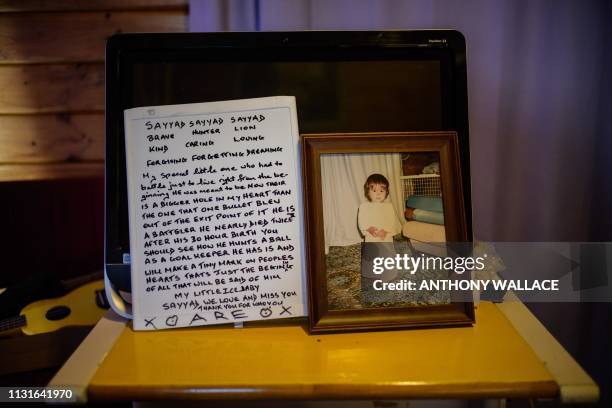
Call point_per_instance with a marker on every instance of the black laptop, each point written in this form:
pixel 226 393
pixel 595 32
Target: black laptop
pixel 343 81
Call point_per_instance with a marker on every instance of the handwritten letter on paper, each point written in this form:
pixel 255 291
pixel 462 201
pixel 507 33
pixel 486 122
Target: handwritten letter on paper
pixel 214 215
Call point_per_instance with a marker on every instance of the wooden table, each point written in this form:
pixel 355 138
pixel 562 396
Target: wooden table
pixel 492 359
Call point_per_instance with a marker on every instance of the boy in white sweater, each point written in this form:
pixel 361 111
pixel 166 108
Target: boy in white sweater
pixel 376 218
pixel 378 223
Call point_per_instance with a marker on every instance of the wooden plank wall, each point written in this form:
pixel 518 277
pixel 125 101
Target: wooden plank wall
pixel 52 79
pixel 52 127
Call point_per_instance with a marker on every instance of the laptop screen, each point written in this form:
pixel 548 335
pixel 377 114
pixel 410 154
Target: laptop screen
pixel 342 96
pixel 342 81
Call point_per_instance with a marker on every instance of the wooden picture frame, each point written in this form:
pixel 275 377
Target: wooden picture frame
pixel 321 318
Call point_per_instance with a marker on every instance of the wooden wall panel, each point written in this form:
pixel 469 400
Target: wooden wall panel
pixel 51 171
pixel 51 138
pixel 75 36
pixel 52 127
pixel 52 79
pixel 17 6
pixel 51 88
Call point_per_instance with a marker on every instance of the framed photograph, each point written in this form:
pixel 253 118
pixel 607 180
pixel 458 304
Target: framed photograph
pixel 373 196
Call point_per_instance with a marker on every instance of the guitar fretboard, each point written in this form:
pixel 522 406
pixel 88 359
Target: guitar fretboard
pixel 12 323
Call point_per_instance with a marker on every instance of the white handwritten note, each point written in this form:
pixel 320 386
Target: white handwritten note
pixel 214 213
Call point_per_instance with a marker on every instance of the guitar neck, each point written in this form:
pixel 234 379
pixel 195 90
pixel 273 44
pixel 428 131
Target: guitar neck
pixel 12 323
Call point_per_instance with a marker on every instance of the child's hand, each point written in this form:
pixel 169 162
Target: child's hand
pixel 382 233
pixel 373 231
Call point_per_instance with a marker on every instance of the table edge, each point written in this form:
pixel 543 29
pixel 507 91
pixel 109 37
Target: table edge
pixel 541 389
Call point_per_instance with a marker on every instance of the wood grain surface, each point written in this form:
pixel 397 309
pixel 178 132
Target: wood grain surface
pixel 52 79
pixel 75 36
pixel 52 88
pixel 51 138
pixel 21 6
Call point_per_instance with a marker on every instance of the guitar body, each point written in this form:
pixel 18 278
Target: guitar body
pixel 77 308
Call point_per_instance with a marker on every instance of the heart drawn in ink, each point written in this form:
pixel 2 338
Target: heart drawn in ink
pixel 171 320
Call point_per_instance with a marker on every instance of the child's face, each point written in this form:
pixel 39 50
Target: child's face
pixel 377 192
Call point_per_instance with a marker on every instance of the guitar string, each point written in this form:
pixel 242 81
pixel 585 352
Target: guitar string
pixel 12 322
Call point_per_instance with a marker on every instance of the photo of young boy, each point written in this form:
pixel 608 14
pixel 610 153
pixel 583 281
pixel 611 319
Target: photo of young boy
pixel 367 201
pixel 376 218
pixel 378 224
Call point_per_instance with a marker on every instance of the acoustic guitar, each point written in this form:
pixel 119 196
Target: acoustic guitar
pixel 84 306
